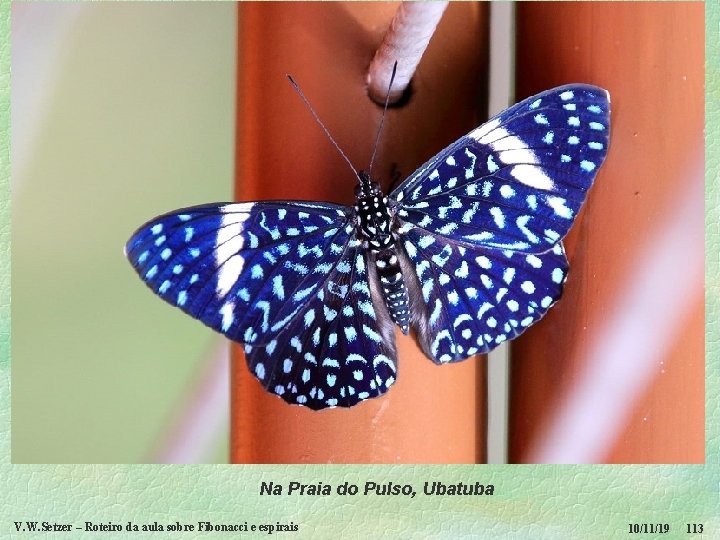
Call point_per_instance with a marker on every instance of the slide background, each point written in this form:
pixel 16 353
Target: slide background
pixel 530 501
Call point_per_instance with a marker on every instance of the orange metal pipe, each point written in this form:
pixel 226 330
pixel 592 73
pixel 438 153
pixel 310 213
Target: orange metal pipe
pixel 650 57
pixel 431 414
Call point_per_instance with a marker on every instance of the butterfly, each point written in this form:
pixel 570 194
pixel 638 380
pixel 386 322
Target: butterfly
pixel 466 251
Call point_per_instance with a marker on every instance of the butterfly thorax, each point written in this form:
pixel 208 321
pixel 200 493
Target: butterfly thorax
pixel 374 225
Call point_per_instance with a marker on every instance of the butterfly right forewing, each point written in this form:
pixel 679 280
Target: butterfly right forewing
pixel 518 181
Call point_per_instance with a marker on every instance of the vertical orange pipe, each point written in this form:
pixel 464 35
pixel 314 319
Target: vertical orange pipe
pixel 650 57
pixel 431 414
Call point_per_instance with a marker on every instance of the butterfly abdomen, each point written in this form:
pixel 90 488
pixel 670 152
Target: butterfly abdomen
pixel 393 287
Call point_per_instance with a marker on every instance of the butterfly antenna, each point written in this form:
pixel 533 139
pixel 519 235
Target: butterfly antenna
pixel 317 119
pixel 382 118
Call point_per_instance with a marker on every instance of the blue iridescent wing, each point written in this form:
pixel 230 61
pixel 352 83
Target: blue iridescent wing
pixel 339 351
pixel 481 222
pixel 244 269
pixel 518 181
pixel 469 300
pixel 288 280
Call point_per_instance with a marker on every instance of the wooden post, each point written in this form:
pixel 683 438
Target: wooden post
pixel 432 414
pixel 650 57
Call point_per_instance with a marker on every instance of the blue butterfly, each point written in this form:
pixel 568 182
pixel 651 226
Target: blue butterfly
pixel 467 251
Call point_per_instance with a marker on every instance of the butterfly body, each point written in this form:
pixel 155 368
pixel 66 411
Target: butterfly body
pixel 375 226
pixel 466 251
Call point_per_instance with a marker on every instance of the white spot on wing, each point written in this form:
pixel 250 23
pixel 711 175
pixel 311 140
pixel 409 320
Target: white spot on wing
pixel 228 243
pixel 228 274
pixel 278 289
pixel 533 176
pixel 482 131
pixel 528 287
pixel 491 165
pixel 227 313
pixel 506 191
pixel 558 205
pixel 435 315
pixel 587 165
pixel 521 155
pixel 534 261
pixel 522 222
pixel 484 262
pixel 498 216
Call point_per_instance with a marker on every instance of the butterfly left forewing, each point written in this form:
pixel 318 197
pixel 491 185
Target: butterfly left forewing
pixel 244 269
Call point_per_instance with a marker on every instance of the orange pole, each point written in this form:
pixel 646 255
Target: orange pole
pixel 431 414
pixel 650 57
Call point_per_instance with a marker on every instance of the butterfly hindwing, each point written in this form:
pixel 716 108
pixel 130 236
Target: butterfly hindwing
pixel 244 269
pixel 473 299
pixel 516 182
pixel 340 349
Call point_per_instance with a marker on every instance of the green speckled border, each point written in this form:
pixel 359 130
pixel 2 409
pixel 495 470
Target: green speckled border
pixel 530 502
pixel 712 236
pixel 4 237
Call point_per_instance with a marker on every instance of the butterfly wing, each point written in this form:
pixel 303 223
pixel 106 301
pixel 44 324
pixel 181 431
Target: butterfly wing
pixel 518 181
pixel 339 351
pixel 244 269
pixel 481 222
pixel 288 280
pixel 468 300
